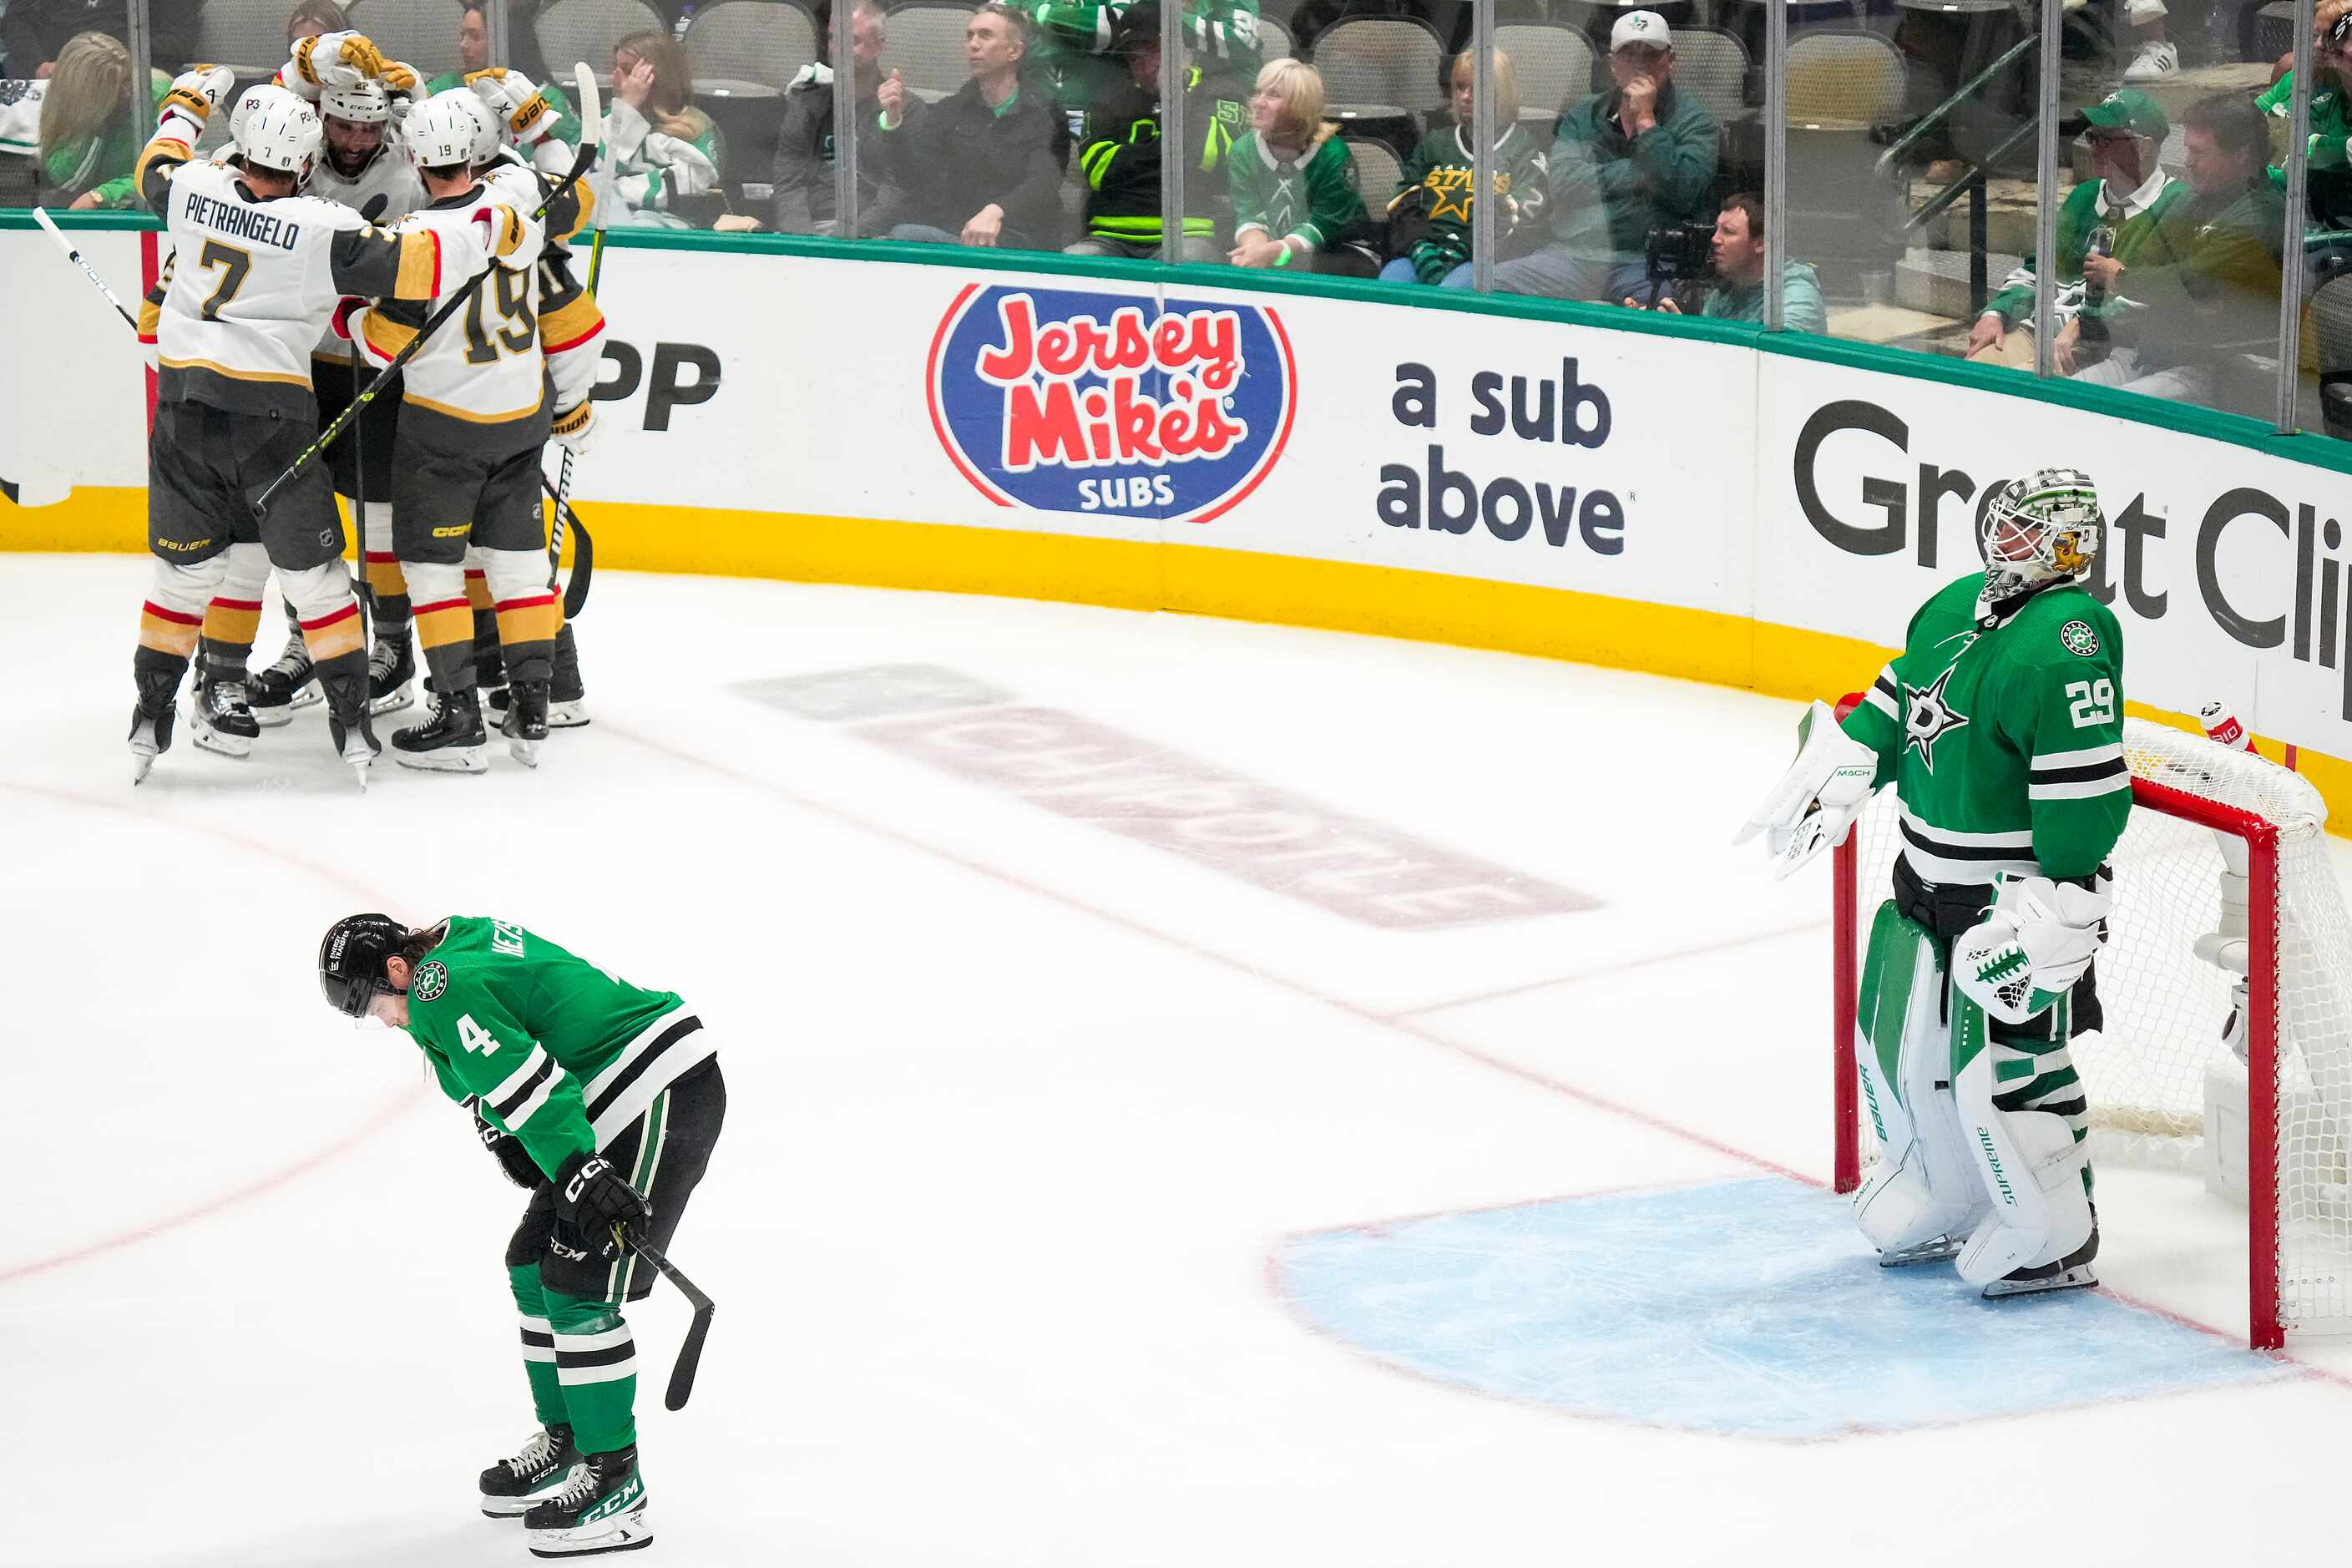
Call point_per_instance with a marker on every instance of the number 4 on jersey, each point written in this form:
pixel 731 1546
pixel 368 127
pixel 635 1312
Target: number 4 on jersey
pixel 475 1037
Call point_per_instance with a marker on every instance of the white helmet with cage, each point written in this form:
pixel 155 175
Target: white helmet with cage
pixel 363 103
pixel 278 129
pixel 449 128
pixel 2044 528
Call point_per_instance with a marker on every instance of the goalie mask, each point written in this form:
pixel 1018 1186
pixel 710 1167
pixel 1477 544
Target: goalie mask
pixel 2042 529
pixel 357 120
pixel 278 131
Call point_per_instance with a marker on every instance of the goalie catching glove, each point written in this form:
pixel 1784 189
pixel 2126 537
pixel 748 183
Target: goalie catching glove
pixel 2030 948
pixel 1814 804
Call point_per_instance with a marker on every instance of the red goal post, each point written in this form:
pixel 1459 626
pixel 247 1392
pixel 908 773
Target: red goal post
pixel 2177 801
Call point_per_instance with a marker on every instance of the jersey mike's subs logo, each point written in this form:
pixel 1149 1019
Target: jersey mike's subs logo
pixel 1076 400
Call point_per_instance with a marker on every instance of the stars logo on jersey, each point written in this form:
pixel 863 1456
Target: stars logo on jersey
pixel 431 980
pixel 2079 639
pixel 1928 718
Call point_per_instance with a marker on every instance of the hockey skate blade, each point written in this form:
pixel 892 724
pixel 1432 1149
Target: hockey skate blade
pixel 2082 1277
pixel 392 701
pixel 273 718
pixel 622 1532
pixel 522 751
pixel 142 764
pixel 573 715
pixel 308 696
pixel 461 760
pixel 208 739
pixel 1941 1249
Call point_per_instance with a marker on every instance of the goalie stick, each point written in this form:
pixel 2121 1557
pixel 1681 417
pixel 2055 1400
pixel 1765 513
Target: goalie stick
pixel 689 1355
pixel 591 127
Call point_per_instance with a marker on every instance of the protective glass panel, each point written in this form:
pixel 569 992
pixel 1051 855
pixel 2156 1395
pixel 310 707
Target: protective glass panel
pixel 72 114
pixel 1911 172
pixel 2170 232
pixel 2322 359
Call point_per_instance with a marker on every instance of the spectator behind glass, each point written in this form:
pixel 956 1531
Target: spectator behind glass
pixel 1295 200
pixel 34 32
pixel 474 55
pixel 1736 292
pixel 1429 221
pixel 662 147
pixel 311 19
pixel 1121 159
pixel 989 142
pixel 89 136
pixel 2116 212
pixel 2208 284
pixel 1638 157
pixel 805 197
pixel 2331 115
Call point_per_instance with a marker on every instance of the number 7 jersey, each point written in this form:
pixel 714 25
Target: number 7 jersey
pixel 560 1053
pixel 2003 735
pixel 478 384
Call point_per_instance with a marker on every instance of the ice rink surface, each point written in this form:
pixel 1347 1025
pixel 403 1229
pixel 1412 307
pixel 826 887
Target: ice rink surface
pixel 1099 1187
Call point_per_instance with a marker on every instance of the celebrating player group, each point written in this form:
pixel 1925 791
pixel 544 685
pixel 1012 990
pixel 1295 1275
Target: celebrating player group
pixel 354 244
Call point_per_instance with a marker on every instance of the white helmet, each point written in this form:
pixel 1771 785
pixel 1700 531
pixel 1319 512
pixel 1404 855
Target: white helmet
pixel 280 131
pixel 449 128
pixel 2044 528
pixel 364 105
pixel 243 109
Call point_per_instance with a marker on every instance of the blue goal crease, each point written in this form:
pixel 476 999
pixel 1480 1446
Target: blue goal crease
pixel 1747 1307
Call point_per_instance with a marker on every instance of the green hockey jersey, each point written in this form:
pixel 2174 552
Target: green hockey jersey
pixel 2002 735
pixel 560 1053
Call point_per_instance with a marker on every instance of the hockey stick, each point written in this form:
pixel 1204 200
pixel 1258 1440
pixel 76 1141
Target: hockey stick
pixel 49 223
pixel 592 125
pixel 689 1355
pixel 584 550
pixel 563 487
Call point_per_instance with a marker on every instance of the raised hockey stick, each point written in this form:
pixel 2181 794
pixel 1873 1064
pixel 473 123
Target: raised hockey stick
pixel 584 550
pixel 49 225
pixel 689 1355
pixel 592 125
pixel 563 488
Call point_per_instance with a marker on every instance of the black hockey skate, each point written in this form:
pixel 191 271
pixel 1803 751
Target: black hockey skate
pixel 525 721
pixel 150 735
pixel 218 719
pixel 512 1487
pixel 450 740
pixel 567 707
pixel 287 685
pixel 390 667
pixel 2072 1272
pixel 348 725
pixel 601 1508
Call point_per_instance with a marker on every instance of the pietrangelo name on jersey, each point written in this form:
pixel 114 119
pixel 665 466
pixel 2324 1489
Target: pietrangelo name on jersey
pixel 243 222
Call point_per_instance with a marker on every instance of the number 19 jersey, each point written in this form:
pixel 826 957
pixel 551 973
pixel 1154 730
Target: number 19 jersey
pixel 560 1053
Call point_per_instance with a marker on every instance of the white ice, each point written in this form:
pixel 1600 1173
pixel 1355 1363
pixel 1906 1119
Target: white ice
pixel 1021 1111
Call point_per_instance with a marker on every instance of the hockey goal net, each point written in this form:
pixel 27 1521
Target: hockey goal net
pixel 2165 1087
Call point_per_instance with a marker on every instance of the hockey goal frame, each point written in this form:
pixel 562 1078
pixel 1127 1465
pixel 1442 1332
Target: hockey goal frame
pixel 2265 1329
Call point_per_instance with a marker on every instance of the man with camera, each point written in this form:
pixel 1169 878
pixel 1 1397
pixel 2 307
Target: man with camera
pixel 1727 266
pixel 1639 157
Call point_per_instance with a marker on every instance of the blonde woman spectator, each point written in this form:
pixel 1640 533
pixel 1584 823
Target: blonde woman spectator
pixel 90 135
pixel 662 147
pixel 1429 231
pixel 313 18
pixel 1296 202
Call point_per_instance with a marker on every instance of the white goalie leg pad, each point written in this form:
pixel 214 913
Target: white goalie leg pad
pixel 2030 1166
pixel 1923 1185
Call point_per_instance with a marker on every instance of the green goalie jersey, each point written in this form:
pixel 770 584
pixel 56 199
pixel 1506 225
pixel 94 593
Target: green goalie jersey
pixel 547 1045
pixel 2003 736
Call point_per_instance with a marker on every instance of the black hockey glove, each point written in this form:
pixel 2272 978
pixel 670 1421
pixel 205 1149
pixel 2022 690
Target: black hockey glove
pixel 512 1157
pixel 593 1200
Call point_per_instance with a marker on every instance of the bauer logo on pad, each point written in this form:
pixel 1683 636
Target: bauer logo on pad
pixel 1124 404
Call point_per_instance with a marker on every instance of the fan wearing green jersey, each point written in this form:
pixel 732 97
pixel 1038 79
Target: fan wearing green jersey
pixel 2000 726
pixel 604 1100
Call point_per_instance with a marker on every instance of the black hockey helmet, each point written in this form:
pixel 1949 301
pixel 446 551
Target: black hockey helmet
pixel 351 961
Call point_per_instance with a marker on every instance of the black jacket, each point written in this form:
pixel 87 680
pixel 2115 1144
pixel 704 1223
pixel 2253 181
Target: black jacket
pixel 803 171
pixel 952 158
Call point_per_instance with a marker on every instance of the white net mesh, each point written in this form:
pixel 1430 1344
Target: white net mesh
pixel 2166 996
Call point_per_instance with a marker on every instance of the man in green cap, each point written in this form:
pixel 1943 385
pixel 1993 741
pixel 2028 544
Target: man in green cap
pixel 2209 279
pixel 2116 213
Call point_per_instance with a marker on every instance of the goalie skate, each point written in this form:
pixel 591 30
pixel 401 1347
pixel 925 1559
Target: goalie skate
pixel 1935 1251
pixel 2072 1272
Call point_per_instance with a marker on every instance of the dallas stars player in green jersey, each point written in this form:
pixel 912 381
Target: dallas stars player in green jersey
pixel 2001 727
pixel 604 1100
